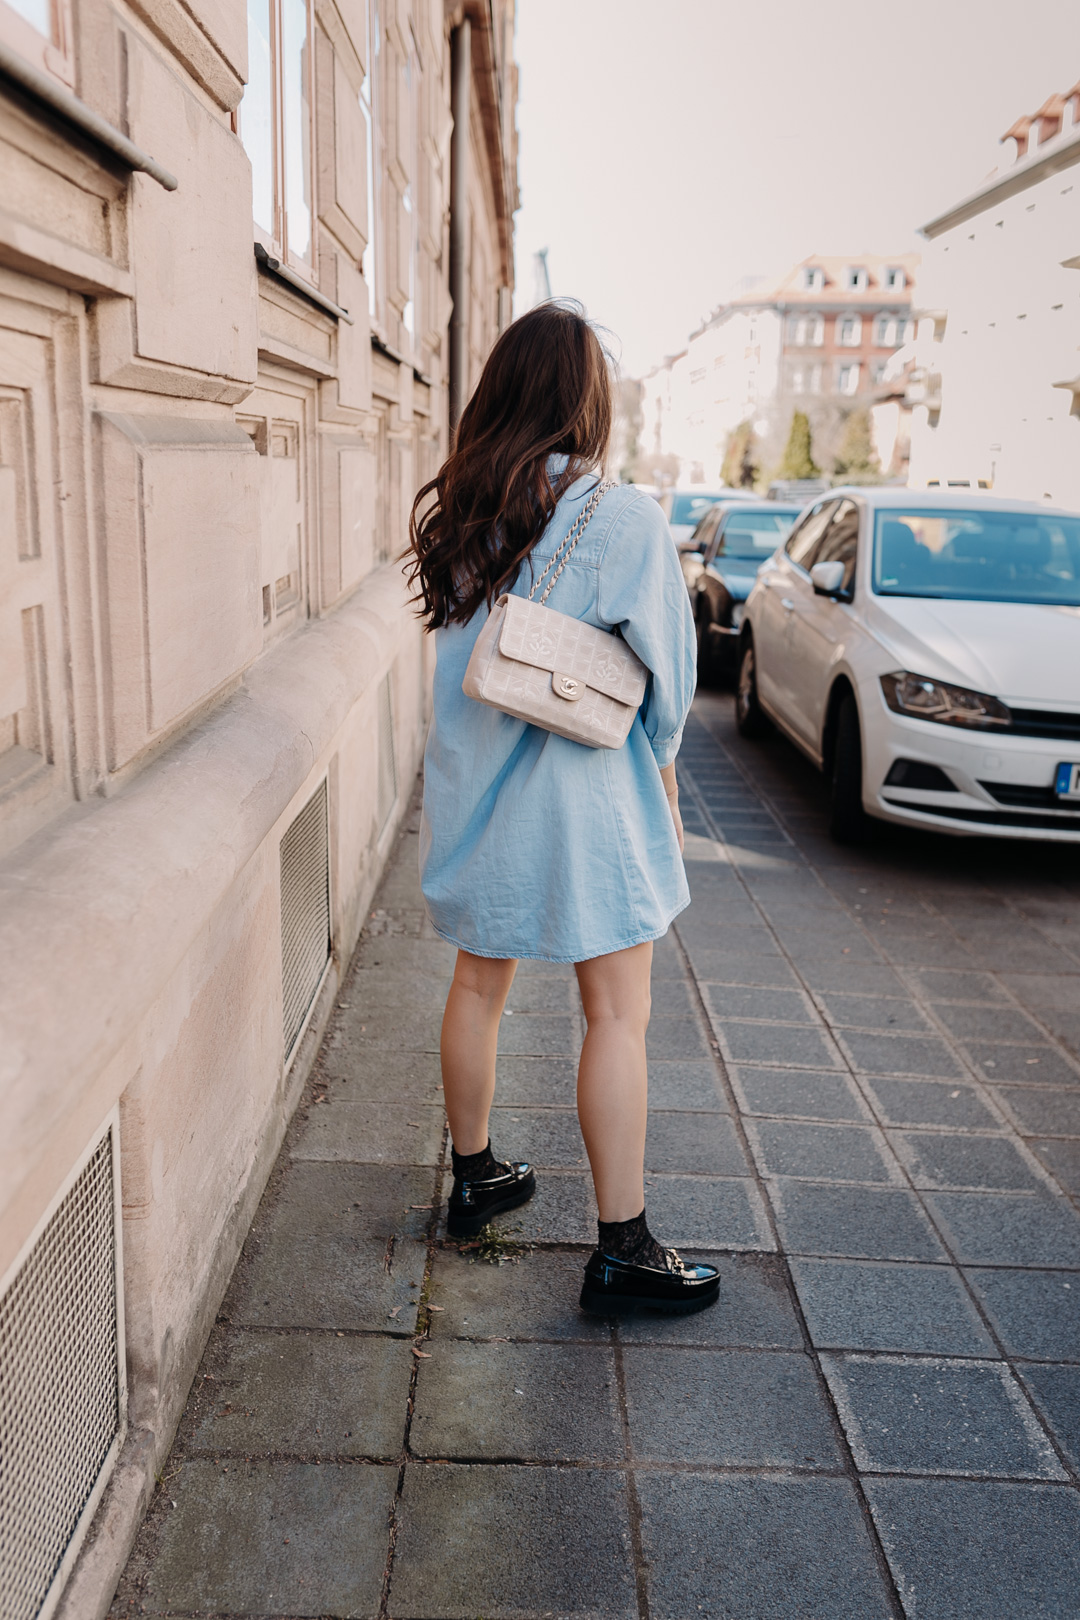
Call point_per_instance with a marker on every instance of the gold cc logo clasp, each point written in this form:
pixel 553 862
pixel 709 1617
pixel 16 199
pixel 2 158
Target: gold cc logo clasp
pixel 568 687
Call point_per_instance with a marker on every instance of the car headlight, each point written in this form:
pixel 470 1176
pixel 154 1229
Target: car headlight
pixel 921 698
pixel 737 611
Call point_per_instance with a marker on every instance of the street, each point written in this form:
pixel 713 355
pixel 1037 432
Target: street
pixel 865 1100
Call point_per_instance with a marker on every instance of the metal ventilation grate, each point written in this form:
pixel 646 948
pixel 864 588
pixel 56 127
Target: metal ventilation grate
pixel 61 1389
pixel 387 784
pixel 305 913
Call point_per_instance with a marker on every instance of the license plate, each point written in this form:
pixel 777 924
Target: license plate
pixel 1067 782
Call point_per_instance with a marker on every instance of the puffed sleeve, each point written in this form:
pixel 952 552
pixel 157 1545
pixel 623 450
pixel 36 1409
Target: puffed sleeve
pixel 642 592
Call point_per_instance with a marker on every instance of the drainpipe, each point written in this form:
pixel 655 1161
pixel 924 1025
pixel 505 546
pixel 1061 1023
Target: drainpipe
pixel 460 89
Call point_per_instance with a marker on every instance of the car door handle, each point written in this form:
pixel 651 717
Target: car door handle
pixel 787 604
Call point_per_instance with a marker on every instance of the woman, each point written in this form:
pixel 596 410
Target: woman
pixel 533 845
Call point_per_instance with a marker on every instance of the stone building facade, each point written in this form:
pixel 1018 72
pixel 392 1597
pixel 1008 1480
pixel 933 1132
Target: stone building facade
pixel 229 238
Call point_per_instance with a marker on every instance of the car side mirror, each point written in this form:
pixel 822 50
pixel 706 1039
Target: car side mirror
pixel 827 578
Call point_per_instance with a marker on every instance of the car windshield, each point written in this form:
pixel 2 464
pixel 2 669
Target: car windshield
pixel 755 534
pixel 690 508
pixel 978 556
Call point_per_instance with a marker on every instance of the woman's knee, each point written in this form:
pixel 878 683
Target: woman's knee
pixel 488 977
pixel 616 988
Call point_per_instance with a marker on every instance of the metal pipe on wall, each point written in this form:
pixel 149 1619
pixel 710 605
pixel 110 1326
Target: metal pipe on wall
pixel 460 93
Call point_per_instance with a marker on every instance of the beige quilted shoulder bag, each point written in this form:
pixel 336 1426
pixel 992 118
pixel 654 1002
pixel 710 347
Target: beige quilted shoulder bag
pixel 554 671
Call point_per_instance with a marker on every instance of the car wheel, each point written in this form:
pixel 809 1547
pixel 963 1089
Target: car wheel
pixel 848 821
pixel 749 717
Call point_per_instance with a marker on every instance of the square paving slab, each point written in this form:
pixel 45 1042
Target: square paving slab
pixel 966 1551
pixel 266 1538
pixel 509 1541
pixel 336 1246
pixel 1036 1313
pixel 930 1416
pixel 870 1305
pixel 532 1297
pixel 694 1144
pixel 737 1408
pixel 876 1223
pixel 1009 1229
pixel 763 1546
pixel 304 1394
pixel 798 1094
pixel 527 1402
pixel 1056 1391
pixel 931 1102
pixel 821 1152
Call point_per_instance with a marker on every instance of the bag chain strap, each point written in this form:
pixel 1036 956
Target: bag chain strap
pixel 570 542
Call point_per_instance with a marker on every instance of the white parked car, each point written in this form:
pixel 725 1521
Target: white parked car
pixel 924 650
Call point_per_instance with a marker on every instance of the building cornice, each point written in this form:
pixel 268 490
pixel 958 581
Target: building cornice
pixel 1060 154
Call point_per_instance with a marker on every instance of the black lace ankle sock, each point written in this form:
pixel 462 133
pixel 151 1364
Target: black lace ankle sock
pixel 633 1242
pixel 474 1166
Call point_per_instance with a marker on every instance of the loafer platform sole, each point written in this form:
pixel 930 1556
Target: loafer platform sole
pixel 599 1303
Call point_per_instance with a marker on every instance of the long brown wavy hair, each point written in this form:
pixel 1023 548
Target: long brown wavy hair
pixel 545 390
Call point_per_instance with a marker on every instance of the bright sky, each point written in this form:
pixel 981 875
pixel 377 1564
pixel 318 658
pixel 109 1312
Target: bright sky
pixel 670 147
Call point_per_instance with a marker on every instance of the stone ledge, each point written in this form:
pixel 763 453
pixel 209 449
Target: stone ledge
pixel 120 889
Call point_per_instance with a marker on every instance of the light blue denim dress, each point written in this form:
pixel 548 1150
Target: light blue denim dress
pixel 535 846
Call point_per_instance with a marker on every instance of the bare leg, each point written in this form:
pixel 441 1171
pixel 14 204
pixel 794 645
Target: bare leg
pixel 470 1036
pixel 613 1079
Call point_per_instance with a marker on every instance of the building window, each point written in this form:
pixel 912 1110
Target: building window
pixel 849 331
pixel 275 126
pixel 40 31
pixel 895 278
pixel 817 374
pixel 890 331
pixel 847 379
pixel 856 278
pixel 806 331
pixel 370 266
pixel 877 371
pixel 410 73
pixel 798 381
pixel 813 278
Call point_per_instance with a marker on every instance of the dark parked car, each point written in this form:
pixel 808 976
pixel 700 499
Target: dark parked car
pixel 685 508
pixel 737 540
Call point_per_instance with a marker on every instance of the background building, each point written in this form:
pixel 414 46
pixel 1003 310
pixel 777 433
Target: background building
pixel 224 369
pixel 818 340
pixel 995 389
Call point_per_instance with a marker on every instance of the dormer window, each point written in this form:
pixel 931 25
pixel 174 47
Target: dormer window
pixel 813 278
pixel 895 278
pixel 857 278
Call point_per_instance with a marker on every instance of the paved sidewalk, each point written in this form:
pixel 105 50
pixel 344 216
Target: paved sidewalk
pixel 865 1100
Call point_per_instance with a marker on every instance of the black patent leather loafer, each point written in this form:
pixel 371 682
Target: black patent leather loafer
pixel 473 1203
pixel 617 1288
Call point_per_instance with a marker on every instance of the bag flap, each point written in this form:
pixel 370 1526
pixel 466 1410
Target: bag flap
pixel 537 635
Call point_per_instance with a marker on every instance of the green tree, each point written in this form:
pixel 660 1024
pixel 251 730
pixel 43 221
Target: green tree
pixel 856 458
pixel 740 469
pixel 798 461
